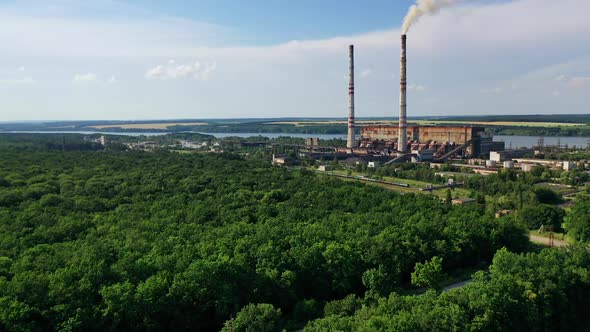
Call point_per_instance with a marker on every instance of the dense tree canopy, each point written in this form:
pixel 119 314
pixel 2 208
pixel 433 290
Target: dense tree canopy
pixel 535 215
pixel 154 241
pixel 428 274
pixel 578 219
pixel 549 291
pixel 260 317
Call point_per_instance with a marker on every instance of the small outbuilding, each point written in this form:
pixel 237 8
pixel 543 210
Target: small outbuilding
pixel 463 201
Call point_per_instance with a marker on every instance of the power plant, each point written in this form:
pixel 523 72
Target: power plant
pixel 402 142
pixel 390 143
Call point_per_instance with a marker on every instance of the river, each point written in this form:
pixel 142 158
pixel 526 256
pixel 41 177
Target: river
pixel 83 132
pixel 217 135
pixel 511 141
pixel 530 141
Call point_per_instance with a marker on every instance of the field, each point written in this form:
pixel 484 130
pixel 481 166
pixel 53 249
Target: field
pixel 432 122
pixel 331 122
pixel 498 123
pixel 415 186
pixel 165 125
pixel 527 125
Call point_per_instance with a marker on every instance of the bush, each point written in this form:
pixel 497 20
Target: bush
pixel 533 216
pixel 430 274
pixel 255 317
pixel 578 220
pixel 547 196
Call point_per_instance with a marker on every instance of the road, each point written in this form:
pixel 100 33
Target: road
pixel 533 238
pixel 457 285
pixel 557 242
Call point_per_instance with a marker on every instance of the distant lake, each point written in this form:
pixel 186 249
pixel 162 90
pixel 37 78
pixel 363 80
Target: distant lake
pixel 217 135
pixel 514 141
pixel 83 132
pixel 276 135
pixel 530 141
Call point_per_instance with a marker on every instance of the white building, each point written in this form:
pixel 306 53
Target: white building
pixel 569 165
pixel 423 155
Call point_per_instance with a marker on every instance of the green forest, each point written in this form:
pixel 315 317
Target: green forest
pixel 522 292
pixel 98 239
pixel 317 125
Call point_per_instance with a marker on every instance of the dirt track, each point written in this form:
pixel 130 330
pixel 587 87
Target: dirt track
pixel 557 242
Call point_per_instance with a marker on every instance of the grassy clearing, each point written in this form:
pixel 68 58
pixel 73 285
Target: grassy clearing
pixel 413 183
pixel 462 193
pixel 400 190
pixel 432 122
pixel 498 123
pixel 331 122
pixel 415 186
pixel 149 125
pixel 556 236
pixel 185 151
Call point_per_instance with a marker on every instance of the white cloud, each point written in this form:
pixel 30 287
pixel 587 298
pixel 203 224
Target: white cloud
pixel 517 25
pixel 464 56
pixel 572 81
pixel 576 82
pixel 508 87
pixel 494 90
pixel 21 68
pixel 171 70
pixel 17 81
pixel 85 78
pixel 73 37
pixel 366 73
pixel 93 78
pixel 472 28
pixel 416 87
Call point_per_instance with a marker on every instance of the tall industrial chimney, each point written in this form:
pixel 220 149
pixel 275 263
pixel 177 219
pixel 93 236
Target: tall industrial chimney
pixel 351 142
pixel 402 141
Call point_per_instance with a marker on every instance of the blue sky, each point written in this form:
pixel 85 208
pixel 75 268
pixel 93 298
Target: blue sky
pixel 150 59
pixel 266 22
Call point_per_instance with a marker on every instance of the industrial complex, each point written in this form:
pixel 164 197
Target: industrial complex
pixel 401 142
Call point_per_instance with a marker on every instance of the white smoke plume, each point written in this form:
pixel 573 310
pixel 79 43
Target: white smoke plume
pixel 421 8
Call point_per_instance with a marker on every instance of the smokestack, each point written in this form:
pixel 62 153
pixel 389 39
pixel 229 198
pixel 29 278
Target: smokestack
pixel 351 142
pixel 402 141
pixel 421 8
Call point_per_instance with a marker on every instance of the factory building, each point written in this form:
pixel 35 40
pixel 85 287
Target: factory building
pixel 500 156
pixel 457 134
pixel 439 139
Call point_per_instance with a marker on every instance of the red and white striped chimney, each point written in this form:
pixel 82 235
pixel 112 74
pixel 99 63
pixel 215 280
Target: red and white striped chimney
pixel 402 141
pixel 351 142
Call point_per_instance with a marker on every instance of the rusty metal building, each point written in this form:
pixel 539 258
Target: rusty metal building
pixel 440 139
pixel 451 134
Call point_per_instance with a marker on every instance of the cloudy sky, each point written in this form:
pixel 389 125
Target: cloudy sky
pixel 165 59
